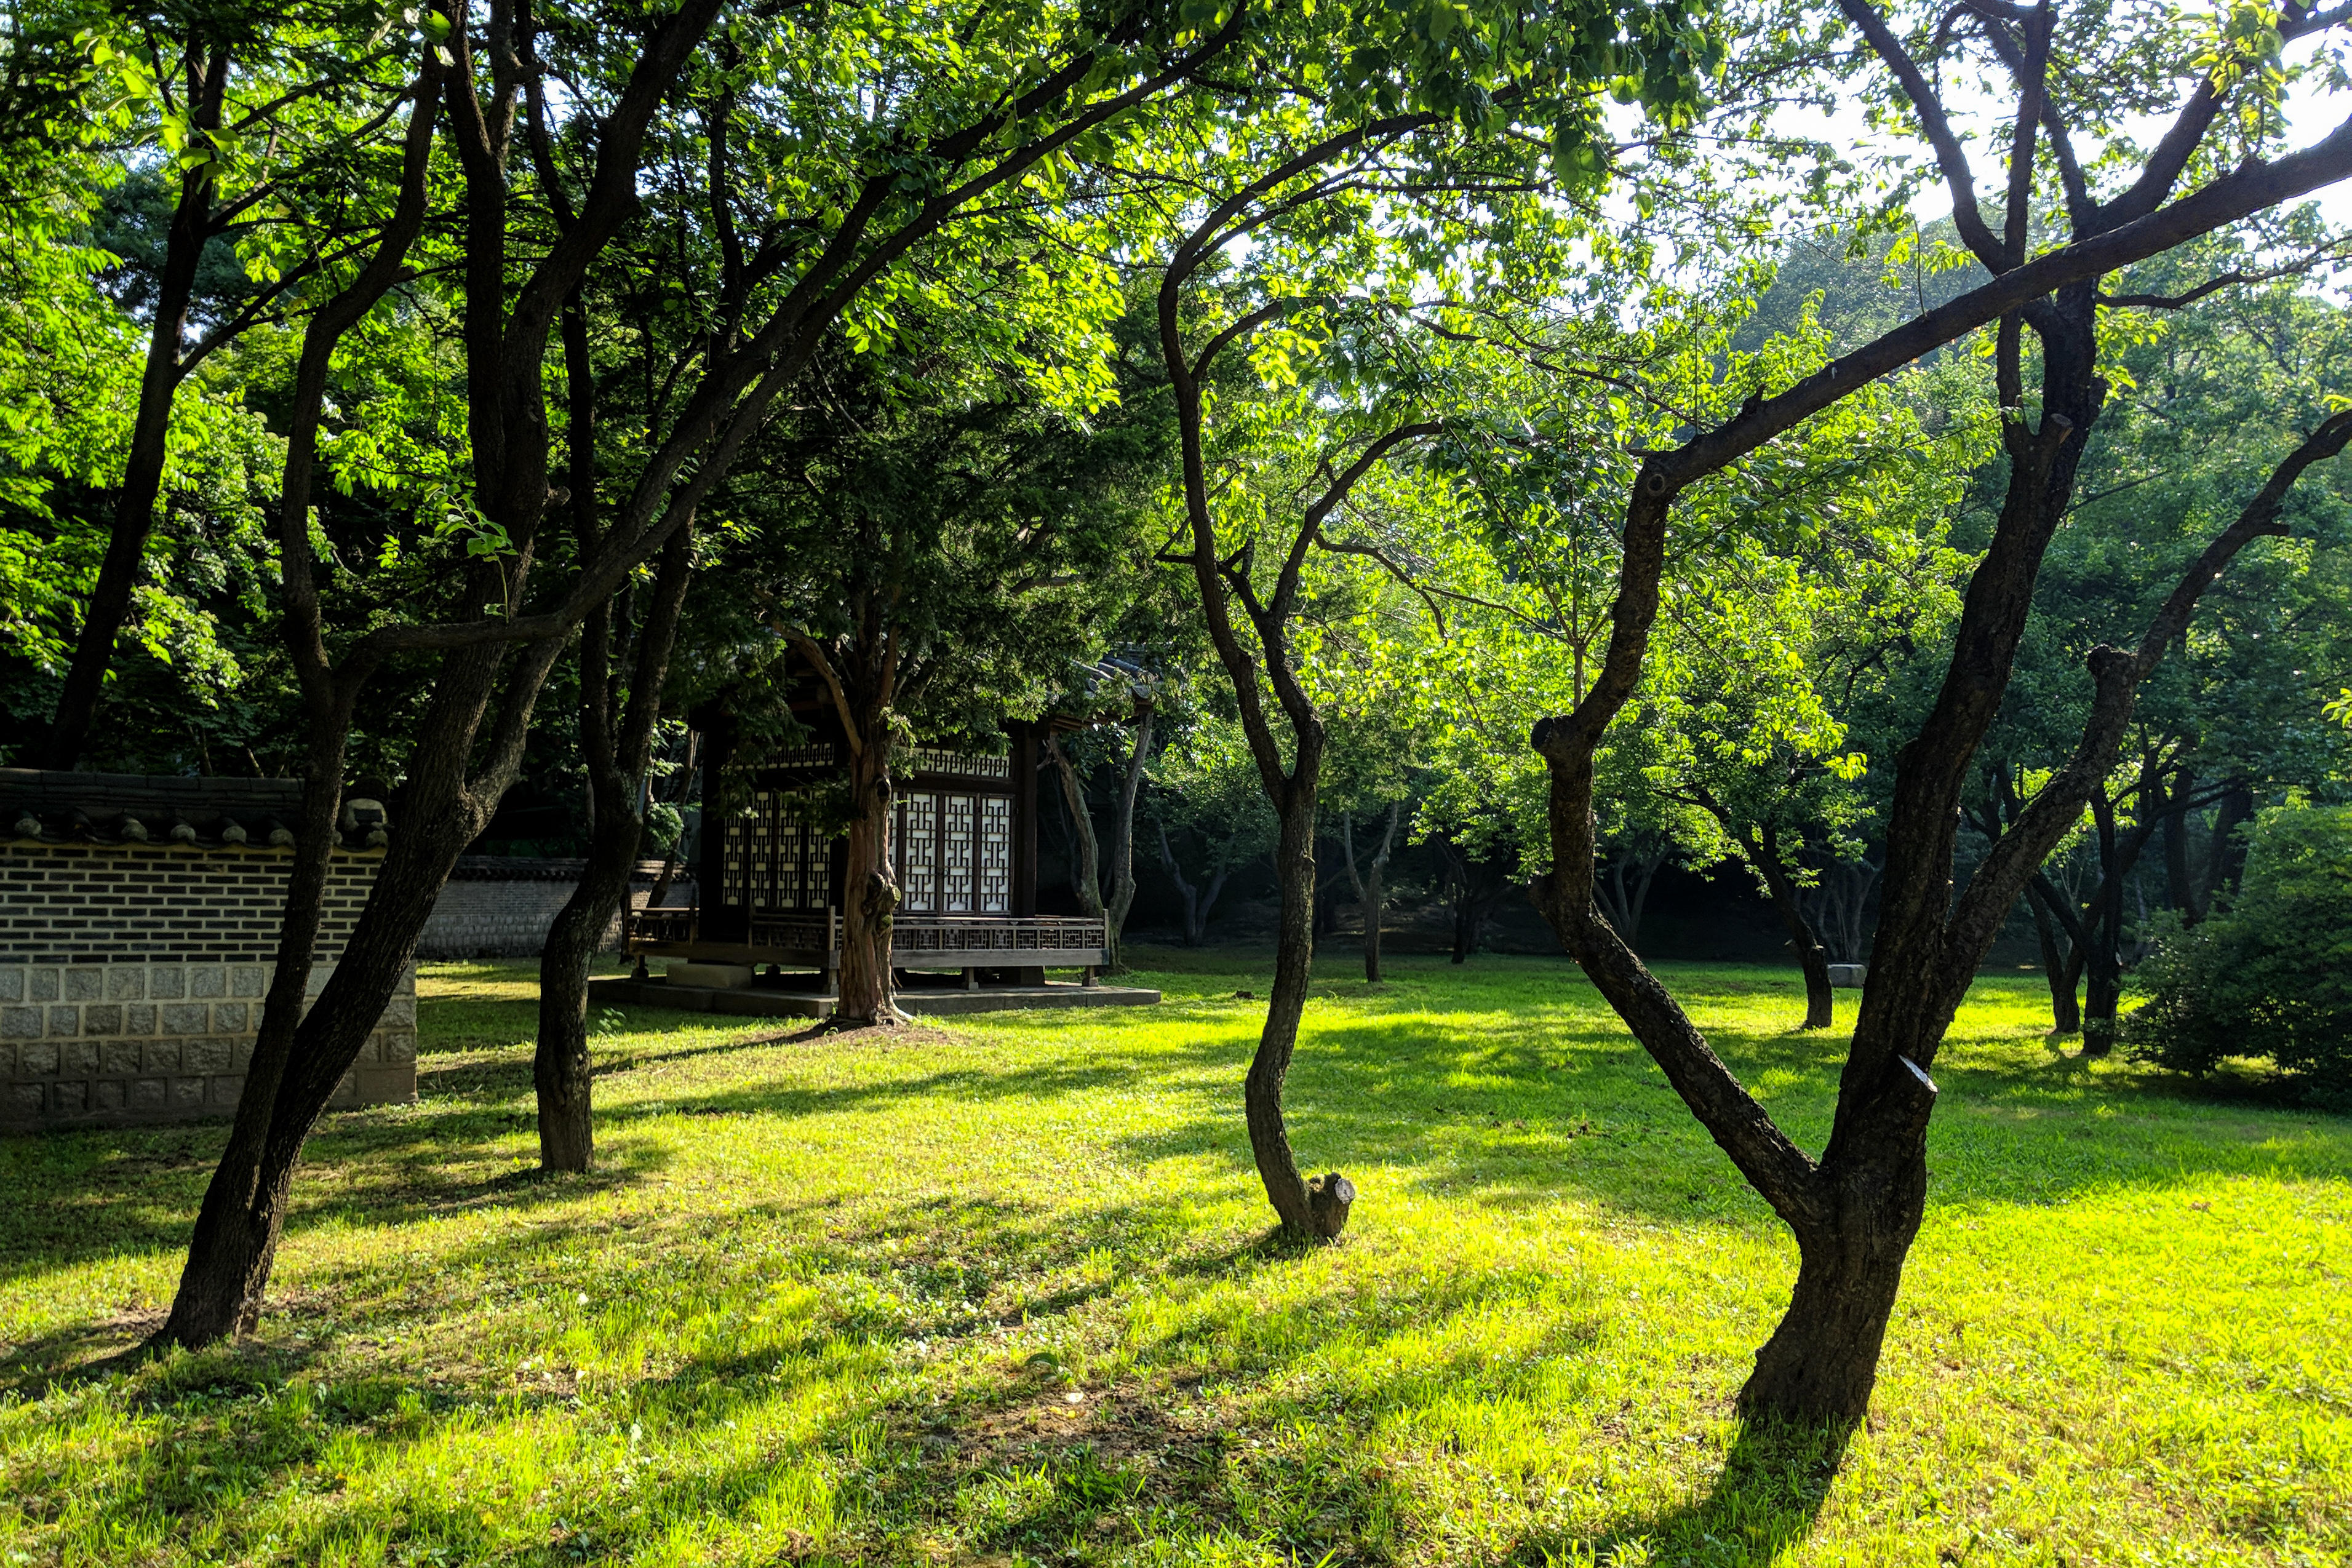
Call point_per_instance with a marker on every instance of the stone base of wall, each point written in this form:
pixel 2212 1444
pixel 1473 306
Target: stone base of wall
pixel 105 1044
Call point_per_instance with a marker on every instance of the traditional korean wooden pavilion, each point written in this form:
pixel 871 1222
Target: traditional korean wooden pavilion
pixel 964 848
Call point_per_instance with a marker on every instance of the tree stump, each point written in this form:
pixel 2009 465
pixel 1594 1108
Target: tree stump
pixel 1327 1200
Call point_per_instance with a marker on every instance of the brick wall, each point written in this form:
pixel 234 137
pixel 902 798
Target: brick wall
pixel 132 977
pixel 96 904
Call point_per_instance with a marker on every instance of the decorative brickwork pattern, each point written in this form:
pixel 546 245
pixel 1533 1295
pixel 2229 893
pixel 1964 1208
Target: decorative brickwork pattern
pixel 110 903
pixel 132 978
pixel 98 1044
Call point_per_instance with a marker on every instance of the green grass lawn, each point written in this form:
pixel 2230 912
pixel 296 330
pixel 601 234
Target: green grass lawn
pixel 999 1291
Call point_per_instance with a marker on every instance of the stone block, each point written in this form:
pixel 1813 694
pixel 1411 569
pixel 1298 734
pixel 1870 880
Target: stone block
pixel 368 1054
pixel 19 1022
pixel 126 983
pixel 206 1056
pixel 240 1056
pixel 106 1094
pixel 26 1100
pixel 401 1010
pixel 208 980
pixel 68 1099
pixel 85 984
pixel 184 1018
pixel 148 1093
pixel 12 985
pixel 187 1094
pixel 227 1090
pixel 1848 977
pixel 65 1018
pixel 120 1059
pixel 40 985
pixel 407 986
pixel 166 981
pixel 139 1018
pixel 399 1045
pixel 77 1058
pixel 36 1061
pixel 229 1018
pixel 387 1085
pixel 247 980
pixel 102 1017
pixel 163 1057
pixel 319 975
pixel 7 1062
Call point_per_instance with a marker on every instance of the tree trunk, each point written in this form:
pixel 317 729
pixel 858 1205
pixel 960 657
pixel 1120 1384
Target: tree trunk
pixel 238 1229
pixel 2180 886
pixel 1821 1363
pixel 1811 957
pixel 1624 903
pixel 2105 957
pixel 142 473
pixel 869 888
pixel 2066 1014
pixel 1085 873
pixel 616 771
pixel 1371 884
pixel 1122 843
pixel 2228 859
pixel 1318 1209
pixel 1199 898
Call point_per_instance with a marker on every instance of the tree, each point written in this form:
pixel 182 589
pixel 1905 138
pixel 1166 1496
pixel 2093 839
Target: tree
pixel 1208 812
pixel 1275 254
pixel 1769 656
pixel 1129 699
pixel 260 120
pixel 1855 1210
pixel 2271 974
pixel 2212 388
pixel 986 530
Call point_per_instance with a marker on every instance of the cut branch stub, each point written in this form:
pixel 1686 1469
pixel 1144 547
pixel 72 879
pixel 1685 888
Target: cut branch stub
pixel 1329 1198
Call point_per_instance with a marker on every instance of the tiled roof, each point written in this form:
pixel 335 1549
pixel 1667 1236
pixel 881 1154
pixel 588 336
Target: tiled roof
pixel 53 806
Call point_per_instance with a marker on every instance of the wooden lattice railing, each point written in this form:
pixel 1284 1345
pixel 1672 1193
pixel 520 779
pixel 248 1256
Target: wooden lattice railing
pixel 910 935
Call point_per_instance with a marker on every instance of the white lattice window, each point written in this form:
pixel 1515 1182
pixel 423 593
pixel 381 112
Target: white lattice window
pixel 956 847
pixel 792 836
pixel 918 850
pixel 816 884
pixel 995 854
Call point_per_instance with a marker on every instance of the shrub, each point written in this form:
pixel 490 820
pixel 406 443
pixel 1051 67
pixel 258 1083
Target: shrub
pixel 2270 975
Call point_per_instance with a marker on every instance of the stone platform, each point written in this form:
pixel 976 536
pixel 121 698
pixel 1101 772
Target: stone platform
pixel 922 1000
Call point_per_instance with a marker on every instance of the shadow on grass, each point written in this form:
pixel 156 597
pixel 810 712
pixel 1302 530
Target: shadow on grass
pixel 1774 1483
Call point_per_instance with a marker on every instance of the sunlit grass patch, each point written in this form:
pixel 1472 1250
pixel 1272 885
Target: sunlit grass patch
pixel 1001 1289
